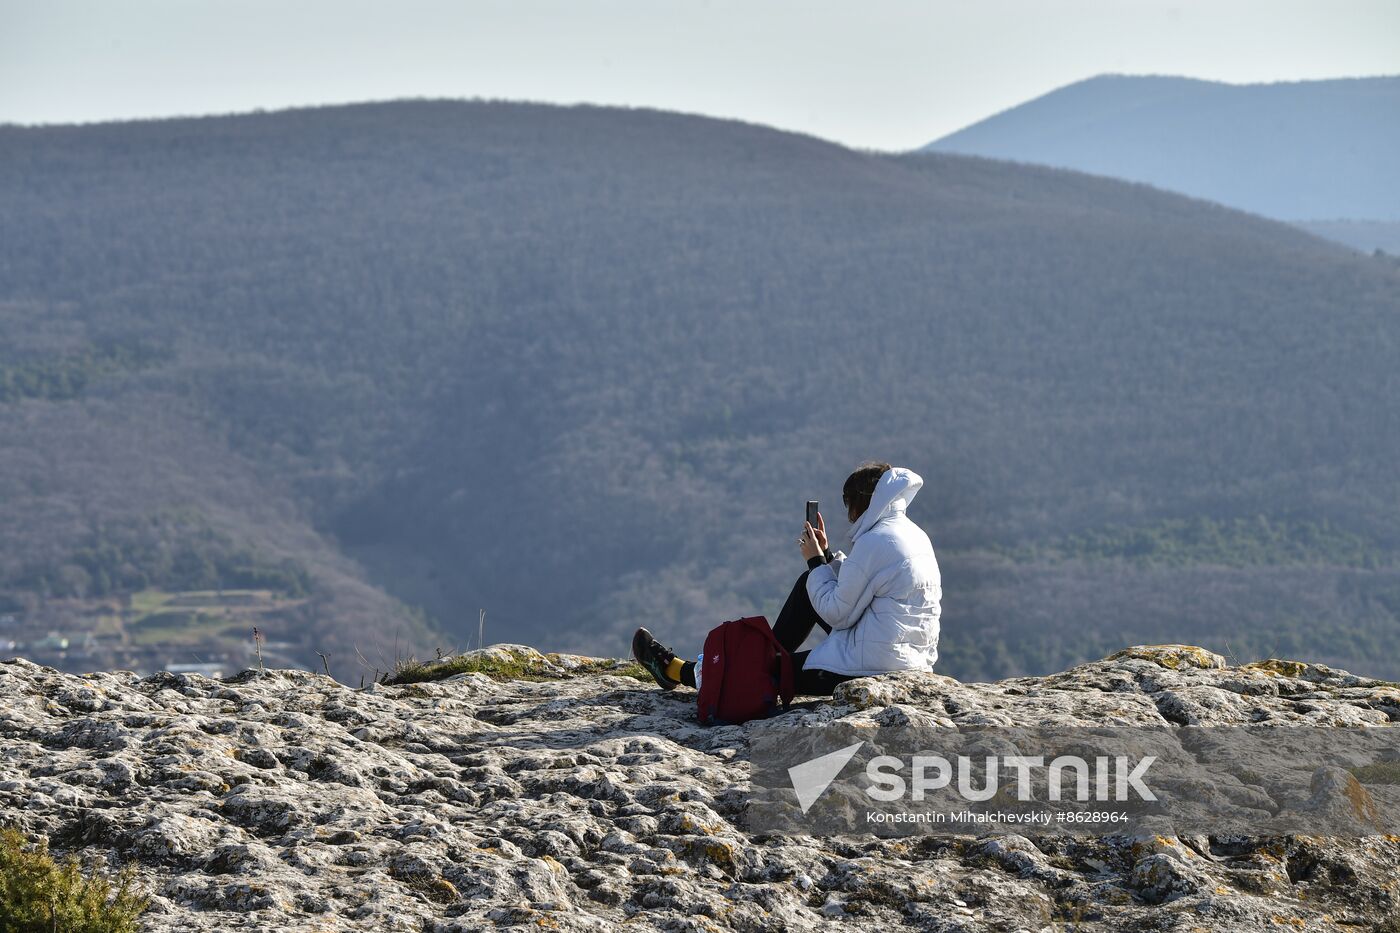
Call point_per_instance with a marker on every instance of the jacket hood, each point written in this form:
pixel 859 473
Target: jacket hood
pixel 896 489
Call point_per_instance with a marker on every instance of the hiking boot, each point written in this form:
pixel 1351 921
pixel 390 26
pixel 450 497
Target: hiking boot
pixel 655 657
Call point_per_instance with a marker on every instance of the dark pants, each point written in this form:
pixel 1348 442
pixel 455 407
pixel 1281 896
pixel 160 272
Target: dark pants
pixel 793 625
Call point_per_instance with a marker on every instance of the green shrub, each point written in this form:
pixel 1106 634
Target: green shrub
pixel 39 894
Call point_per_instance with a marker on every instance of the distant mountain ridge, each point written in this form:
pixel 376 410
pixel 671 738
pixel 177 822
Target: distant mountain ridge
pixel 1295 151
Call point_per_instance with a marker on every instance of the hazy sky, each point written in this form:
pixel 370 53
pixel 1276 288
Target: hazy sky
pixel 870 73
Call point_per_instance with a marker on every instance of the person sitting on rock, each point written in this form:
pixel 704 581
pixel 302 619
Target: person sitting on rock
pixel 879 605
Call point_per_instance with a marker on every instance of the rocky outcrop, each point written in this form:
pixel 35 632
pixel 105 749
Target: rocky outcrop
pixel 577 798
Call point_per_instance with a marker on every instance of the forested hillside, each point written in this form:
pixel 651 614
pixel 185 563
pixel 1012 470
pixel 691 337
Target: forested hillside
pixel 580 367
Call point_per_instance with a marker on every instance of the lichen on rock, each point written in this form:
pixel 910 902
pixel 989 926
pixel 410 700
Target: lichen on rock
pixel 553 791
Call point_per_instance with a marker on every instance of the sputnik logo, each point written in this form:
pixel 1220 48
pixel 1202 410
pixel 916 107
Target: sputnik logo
pixel 811 778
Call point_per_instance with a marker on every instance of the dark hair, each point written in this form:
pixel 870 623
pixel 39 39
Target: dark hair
pixel 860 486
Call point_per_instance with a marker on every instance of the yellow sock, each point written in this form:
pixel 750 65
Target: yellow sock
pixel 673 670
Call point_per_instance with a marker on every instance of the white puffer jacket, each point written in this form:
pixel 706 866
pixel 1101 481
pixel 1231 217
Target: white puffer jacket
pixel 881 601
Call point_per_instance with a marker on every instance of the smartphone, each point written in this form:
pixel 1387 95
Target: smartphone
pixel 812 512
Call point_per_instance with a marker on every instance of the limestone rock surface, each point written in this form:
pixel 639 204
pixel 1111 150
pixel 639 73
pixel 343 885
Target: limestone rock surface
pixel 577 798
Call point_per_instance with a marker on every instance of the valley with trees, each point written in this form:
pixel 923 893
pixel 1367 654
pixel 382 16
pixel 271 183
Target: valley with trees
pixel 353 374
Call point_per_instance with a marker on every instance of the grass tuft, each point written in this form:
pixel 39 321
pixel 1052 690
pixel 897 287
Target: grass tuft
pixel 1379 772
pixel 508 665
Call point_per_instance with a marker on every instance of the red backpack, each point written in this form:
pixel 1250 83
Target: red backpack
pixel 746 674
